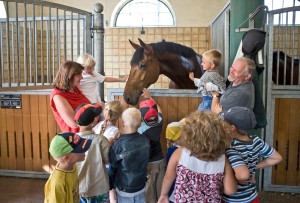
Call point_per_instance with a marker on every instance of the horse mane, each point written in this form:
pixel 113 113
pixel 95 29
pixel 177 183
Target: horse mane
pixel 164 47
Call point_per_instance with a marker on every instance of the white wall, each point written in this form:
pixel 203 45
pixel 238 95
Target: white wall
pixel 189 13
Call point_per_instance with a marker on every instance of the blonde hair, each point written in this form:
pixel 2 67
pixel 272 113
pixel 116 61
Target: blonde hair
pixel 86 60
pixel 113 110
pixel 65 75
pixel 213 56
pixel 205 135
pixel 132 117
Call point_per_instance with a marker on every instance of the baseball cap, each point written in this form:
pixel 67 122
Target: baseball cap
pixel 149 112
pixel 242 117
pixel 68 142
pixel 86 113
pixel 174 130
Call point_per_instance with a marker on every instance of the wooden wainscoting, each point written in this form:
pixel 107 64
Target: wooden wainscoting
pixel 25 134
pixel 287 141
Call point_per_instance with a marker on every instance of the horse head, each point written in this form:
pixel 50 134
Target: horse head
pixel 144 72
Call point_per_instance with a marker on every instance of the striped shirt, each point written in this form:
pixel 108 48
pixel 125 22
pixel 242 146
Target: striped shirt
pixel 247 153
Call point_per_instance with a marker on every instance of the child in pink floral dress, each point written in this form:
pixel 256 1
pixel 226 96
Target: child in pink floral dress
pixel 202 171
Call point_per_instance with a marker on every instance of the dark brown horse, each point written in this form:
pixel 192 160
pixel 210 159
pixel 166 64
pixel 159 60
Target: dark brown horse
pixel 167 58
pixel 283 72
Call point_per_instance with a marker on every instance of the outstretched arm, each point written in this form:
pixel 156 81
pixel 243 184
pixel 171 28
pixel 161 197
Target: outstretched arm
pixel 170 176
pixel 270 161
pixel 147 95
pixel 113 79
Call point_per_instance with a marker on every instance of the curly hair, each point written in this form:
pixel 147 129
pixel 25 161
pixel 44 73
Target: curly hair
pixel 65 75
pixel 206 135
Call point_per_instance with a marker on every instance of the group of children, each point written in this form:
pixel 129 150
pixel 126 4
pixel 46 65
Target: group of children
pixel 210 158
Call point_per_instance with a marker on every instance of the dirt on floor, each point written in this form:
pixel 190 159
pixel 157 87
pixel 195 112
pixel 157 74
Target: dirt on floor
pixel 279 197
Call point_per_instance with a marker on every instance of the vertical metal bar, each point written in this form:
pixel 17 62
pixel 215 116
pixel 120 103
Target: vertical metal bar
pixel 285 47
pixel 1 55
pixel 293 46
pixel 13 52
pixel 53 51
pixel 72 35
pixel 278 48
pixel 49 45
pixel 78 35
pixel 84 33
pixel 35 47
pixel 18 44
pixel 58 36
pixel 25 44
pixel 65 36
pixel 42 45
pixel 8 45
pixel 30 52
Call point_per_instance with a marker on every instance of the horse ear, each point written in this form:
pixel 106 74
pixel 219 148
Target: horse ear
pixel 134 45
pixel 147 48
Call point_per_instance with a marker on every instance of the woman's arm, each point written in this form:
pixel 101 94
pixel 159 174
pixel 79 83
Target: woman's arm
pixel 169 176
pixel 229 182
pixel 65 110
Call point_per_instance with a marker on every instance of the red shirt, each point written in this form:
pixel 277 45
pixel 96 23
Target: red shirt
pixel 74 99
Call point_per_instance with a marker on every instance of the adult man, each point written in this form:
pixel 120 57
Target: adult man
pixel 240 92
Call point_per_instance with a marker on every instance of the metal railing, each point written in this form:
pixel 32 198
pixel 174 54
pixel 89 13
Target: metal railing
pixel 36 36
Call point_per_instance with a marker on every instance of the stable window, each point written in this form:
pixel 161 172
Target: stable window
pixel 143 13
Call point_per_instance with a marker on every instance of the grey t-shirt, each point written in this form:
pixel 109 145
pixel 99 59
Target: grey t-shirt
pixel 241 95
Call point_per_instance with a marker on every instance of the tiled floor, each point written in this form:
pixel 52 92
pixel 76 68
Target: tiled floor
pixel 21 190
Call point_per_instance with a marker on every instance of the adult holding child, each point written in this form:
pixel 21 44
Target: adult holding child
pixel 66 97
pixel 240 92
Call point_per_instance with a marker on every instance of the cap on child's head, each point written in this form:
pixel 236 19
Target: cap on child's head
pixel 68 142
pixel 174 130
pixel 86 113
pixel 242 117
pixel 149 112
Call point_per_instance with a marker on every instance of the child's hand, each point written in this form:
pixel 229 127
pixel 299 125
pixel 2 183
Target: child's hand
pixel 146 94
pixel 124 79
pixel 191 76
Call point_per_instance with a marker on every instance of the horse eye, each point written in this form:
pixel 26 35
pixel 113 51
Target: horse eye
pixel 142 65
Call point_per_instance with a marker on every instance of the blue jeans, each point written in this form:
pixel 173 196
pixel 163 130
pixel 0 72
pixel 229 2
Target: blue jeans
pixel 96 199
pixel 206 103
pixel 140 198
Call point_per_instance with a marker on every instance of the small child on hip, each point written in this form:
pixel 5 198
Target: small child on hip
pixel 210 61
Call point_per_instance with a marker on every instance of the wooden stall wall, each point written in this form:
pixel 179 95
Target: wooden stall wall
pixel 287 141
pixel 25 135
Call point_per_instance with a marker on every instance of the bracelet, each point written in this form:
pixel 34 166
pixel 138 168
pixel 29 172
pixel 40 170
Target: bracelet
pixel 215 96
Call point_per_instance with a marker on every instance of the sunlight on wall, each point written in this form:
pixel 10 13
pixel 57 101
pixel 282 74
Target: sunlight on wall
pixel 2 10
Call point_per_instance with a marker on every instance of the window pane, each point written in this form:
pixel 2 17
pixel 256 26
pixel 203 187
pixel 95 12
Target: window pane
pixel 144 13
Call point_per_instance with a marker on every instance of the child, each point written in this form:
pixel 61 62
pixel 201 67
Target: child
pixel 245 153
pixel 93 177
pixel 112 112
pixel 210 61
pixel 129 159
pixel 203 142
pixel 173 132
pixel 90 79
pixel 67 149
pixel 151 127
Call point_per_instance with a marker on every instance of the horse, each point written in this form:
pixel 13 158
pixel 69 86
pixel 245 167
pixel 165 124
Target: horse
pixel 168 58
pixel 282 65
